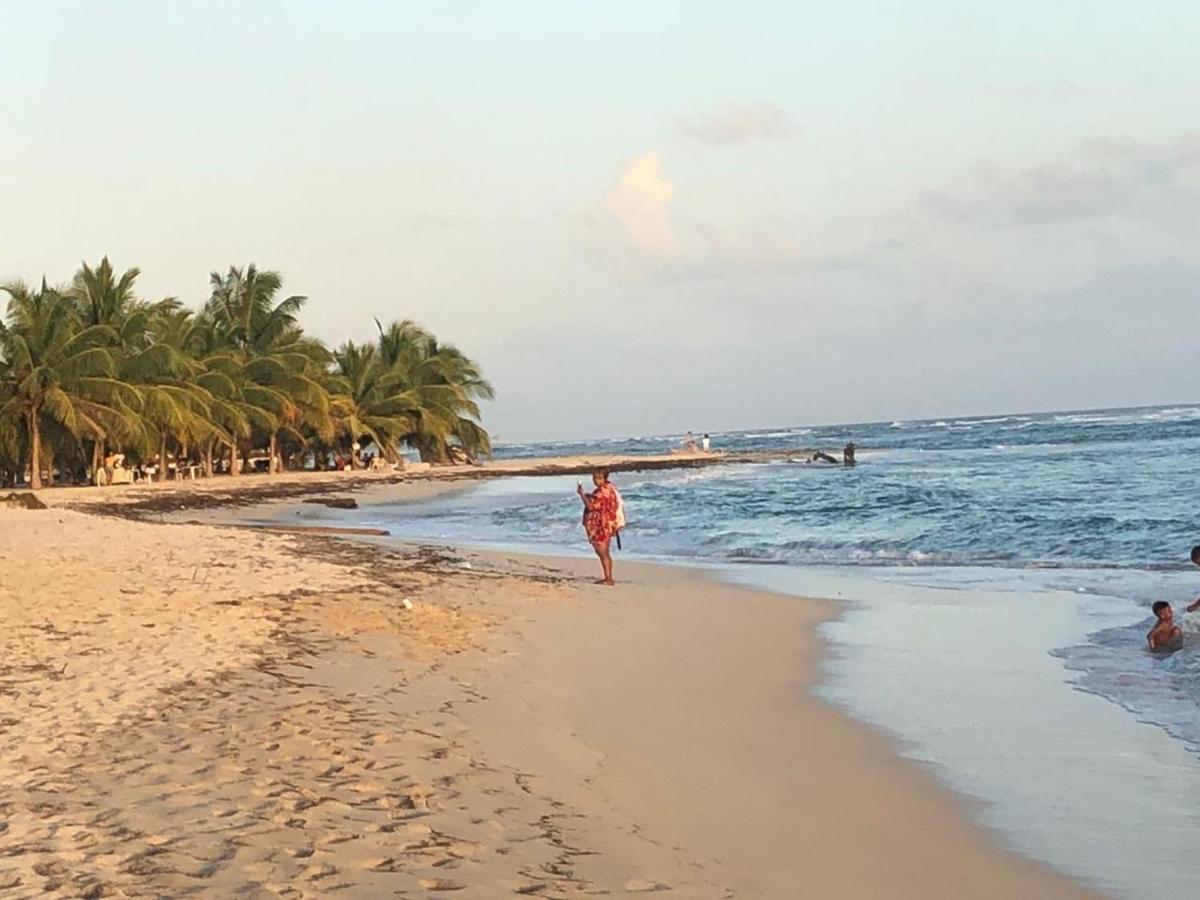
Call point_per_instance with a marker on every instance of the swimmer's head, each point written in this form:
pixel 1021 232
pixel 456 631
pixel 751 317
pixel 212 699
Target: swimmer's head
pixel 1162 611
pixel 1196 554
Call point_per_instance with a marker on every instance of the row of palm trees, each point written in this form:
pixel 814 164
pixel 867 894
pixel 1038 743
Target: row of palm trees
pixel 90 369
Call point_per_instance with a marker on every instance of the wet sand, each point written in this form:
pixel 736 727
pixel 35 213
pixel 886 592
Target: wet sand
pixel 189 710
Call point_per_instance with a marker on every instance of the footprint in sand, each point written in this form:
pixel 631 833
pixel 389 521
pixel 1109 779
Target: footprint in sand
pixel 643 886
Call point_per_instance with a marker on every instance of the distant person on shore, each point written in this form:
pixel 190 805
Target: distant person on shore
pixel 848 454
pixel 705 443
pixel 822 457
pixel 600 518
pixel 689 442
pixel 1165 635
pixel 110 467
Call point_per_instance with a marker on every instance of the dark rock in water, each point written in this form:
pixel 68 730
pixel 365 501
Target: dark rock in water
pixel 24 500
pixel 335 502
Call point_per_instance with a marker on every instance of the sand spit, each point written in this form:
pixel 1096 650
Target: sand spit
pixel 146 500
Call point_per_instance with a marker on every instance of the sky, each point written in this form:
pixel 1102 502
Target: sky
pixel 642 218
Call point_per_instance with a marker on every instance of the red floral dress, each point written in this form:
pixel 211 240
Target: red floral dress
pixel 600 517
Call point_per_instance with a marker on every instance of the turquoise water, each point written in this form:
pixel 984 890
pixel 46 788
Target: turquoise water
pixel 1105 488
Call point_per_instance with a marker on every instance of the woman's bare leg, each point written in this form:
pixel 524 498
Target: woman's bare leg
pixel 602 552
pixel 596 546
pixel 606 560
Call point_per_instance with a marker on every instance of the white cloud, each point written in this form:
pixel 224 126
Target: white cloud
pixel 630 226
pixel 1104 179
pixel 640 201
pixel 738 124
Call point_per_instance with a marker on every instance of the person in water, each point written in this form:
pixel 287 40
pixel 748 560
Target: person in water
pixel 1195 604
pixel 600 518
pixel 848 454
pixel 1165 635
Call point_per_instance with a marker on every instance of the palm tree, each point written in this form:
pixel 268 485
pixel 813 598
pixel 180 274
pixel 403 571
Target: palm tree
pixel 190 346
pixel 101 297
pixel 372 399
pixel 175 405
pixel 94 365
pixel 444 386
pixel 282 368
pixel 61 374
pixel 12 425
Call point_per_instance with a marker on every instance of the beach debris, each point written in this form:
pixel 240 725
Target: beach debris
pixel 406 603
pixel 22 500
pixel 466 564
pixel 323 529
pixel 334 502
pixel 440 884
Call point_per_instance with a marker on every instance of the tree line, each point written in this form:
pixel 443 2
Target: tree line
pixel 90 369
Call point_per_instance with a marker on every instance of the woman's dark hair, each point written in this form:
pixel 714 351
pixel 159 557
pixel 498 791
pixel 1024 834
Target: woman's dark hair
pixel 1196 554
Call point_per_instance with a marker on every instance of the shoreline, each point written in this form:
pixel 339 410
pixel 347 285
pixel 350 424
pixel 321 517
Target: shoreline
pixel 224 491
pixel 500 636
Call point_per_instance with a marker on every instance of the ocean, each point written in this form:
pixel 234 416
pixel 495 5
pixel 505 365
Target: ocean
pixel 977 556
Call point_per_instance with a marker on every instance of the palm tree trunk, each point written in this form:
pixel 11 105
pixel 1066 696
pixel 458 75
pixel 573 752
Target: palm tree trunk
pixel 97 465
pixel 208 460
pixel 233 459
pixel 35 451
pixel 162 459
pixel 271 454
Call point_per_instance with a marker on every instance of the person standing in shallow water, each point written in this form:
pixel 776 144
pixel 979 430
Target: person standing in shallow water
pixel 600 518
pixel 1195 605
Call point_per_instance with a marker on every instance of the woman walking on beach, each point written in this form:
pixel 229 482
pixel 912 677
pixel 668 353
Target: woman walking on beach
pixel 600 518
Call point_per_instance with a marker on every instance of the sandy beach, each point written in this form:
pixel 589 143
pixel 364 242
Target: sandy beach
pixel 560 450
pixel 193 710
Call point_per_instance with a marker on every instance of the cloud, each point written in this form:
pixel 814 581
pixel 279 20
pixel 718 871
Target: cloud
pixel 1054 91
pixel 738 124
pixel 1103 179
pixel 630 226
pixel 639 202
pixel 634 229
